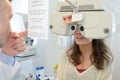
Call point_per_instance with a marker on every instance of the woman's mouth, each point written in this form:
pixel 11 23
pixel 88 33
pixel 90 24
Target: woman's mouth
pixel 79 37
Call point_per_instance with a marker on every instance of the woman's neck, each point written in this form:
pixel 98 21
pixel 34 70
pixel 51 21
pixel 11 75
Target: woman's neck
pixel 86 50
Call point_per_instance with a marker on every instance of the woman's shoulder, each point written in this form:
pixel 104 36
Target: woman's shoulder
pixel 108 67
pixel 65 55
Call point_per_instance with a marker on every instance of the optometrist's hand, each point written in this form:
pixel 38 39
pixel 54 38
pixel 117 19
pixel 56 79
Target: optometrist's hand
pixel 15 43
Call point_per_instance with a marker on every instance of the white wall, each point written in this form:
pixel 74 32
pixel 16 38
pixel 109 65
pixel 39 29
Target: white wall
pixel 116 52
pixel 48 49
pixel 113 6
pixel 20 6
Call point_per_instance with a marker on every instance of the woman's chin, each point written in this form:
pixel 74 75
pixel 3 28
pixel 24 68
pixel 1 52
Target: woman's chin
pixel 80 43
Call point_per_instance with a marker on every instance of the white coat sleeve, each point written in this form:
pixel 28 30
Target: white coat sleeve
pixel 8 72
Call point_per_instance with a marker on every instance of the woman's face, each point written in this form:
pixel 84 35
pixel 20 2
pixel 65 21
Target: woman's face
pixel 80 40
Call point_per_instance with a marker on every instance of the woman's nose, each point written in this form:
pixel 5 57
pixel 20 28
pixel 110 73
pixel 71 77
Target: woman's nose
pixel 77 31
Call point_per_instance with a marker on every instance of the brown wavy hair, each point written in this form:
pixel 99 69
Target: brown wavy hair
pixel 101 54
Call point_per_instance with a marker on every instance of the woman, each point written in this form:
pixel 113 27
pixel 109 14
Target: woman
pixel 87 59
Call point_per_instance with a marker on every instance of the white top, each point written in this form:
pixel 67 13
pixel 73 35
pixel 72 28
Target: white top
pixel 67 71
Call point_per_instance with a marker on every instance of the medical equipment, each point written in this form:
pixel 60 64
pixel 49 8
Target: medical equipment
pixel 87 15
pixel 40 73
